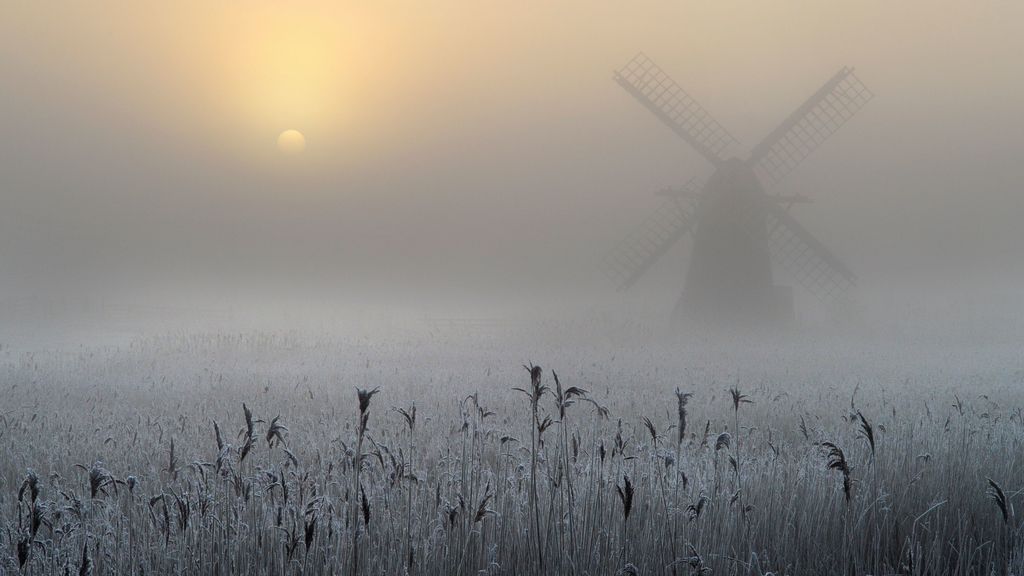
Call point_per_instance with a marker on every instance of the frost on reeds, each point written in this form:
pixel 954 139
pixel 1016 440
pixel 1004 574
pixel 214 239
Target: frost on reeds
pixel 836 460
pixel 682 399
pixel 596 472
pixel 358 492
pixel 996 494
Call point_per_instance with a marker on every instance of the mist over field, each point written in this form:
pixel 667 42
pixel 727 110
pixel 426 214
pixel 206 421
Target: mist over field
pixel 426 288
pixel 139 167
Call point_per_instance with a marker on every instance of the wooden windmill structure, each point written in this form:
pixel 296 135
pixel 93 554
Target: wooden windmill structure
pixel 738 228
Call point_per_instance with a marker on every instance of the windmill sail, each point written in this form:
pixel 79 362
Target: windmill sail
pixel 632 257
pixel 806 259
pixel 739 228
pixel 808 126
pixel 660 94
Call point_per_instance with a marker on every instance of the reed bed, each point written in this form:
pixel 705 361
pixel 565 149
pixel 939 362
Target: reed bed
pixel 252 455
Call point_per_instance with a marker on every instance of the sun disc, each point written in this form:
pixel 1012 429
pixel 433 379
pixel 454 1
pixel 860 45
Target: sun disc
pixel 291 142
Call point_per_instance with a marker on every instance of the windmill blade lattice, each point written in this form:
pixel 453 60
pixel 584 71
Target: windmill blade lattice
pixel 808 126
pixel 649 241
pixel 806 259
pixel 660 94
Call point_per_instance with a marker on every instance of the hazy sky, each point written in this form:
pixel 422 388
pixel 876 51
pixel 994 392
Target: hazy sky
pixel 481 147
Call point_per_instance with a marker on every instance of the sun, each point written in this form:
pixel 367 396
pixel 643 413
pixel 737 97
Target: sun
pixel 291 142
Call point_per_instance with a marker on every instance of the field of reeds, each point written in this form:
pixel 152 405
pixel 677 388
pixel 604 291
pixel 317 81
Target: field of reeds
pixel 266 454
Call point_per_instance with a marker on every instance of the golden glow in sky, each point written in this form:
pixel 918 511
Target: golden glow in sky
pixel 228 77
pixel 370 81
pixel 285 68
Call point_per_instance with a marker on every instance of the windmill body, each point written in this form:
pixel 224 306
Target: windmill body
pixel 729 277
pixel 738 228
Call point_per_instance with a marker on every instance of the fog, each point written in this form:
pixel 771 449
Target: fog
pixel 475 161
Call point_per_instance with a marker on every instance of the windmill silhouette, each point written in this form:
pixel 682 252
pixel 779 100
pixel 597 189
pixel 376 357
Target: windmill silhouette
pixel 738 228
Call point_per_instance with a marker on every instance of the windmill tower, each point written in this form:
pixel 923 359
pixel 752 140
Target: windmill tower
pixel 738 229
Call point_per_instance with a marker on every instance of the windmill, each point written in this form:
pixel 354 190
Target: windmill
pixel 738 229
